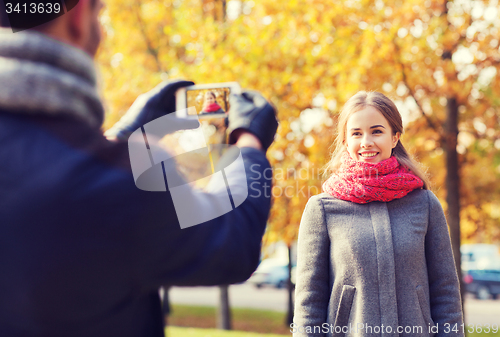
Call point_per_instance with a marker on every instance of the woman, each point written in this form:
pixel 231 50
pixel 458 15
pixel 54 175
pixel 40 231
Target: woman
pixel 210 106
pixel 374 252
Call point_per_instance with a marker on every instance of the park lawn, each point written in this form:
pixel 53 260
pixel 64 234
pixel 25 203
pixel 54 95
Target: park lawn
pixel 253 320
pixel 483 334
pixel 200 321
pixel 174 331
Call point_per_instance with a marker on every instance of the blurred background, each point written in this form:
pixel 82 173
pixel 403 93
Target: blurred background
pixel 438 60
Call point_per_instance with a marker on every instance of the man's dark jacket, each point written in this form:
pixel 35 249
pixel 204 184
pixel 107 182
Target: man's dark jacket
pixel 83 251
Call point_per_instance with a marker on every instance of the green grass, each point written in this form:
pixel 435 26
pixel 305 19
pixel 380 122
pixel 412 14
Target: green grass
pixel 198 321
pixel 483 334
pixel 192 332
pixel 253 320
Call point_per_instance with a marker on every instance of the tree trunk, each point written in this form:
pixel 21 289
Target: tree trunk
pixel 224 10
pixel 290 288
pixel 224 310
pixel 165 305
pixel 453 183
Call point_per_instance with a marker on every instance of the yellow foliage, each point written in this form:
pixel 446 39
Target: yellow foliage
pixel 294 50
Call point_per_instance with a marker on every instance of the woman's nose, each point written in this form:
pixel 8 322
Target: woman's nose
pixel 366 142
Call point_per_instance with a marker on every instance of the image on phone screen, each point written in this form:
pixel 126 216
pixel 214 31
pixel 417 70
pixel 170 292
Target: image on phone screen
pixel 214 101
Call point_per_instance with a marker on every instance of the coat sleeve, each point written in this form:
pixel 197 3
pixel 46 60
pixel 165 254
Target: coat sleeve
pixel 223 250
pixel 444 288
pixel 312 287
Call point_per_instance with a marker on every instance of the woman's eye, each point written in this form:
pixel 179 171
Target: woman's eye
pixel 356 133
pixel 377 131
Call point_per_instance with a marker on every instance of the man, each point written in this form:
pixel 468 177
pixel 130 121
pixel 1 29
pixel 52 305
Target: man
pixel 83 251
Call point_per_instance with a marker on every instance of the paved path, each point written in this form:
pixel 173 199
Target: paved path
pixel 247 296
pixel 240 296
pixel 482 312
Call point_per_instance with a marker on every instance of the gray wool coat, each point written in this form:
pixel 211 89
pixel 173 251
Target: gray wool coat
pixel 376 269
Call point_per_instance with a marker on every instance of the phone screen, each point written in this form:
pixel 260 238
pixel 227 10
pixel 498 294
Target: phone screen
pixel 197 152
pixel 211 106
pixel 208 102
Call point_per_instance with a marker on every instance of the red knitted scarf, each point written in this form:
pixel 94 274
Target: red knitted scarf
pixel 211 107
pixel 362 182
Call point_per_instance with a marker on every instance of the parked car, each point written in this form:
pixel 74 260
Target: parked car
pixel 482 283
pixel 480 256
pixel 271 272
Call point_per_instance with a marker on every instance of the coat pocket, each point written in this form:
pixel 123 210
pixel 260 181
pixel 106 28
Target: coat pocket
pixel 425 309
pixel 344 309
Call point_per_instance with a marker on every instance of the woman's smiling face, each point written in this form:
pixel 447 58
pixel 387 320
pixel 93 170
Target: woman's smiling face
pixel 369 136
pixel 209 99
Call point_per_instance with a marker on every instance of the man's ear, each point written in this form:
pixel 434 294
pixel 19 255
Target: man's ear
pixel 395 139
pixel 76 20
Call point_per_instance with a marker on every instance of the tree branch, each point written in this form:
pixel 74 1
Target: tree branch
pixel 412 93
pixel 151 50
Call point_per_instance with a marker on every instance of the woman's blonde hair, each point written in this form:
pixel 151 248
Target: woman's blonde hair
pixel 210 92
pixel 391 113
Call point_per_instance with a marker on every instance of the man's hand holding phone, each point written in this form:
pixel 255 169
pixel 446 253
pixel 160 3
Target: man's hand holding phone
pixel 149 106
pixel 251 113
pixel 252 120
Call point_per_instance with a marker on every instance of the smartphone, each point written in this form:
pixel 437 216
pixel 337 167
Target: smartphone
pixel 208 100
pixel 198 152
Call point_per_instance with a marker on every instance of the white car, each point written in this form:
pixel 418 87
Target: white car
pixel 480 256
pixel 271 272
